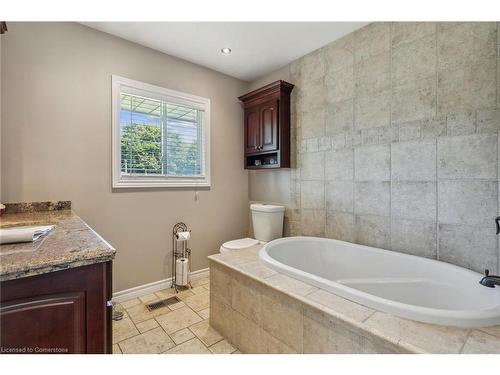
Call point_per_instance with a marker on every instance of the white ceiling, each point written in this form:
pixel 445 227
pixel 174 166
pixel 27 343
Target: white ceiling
pixel 258 48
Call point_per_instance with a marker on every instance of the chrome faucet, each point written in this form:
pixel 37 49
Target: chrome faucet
pixel 489 281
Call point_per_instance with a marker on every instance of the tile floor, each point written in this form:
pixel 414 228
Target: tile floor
pixel 181 328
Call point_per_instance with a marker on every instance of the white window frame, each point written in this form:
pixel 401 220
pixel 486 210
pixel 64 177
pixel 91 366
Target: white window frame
pixel 171 96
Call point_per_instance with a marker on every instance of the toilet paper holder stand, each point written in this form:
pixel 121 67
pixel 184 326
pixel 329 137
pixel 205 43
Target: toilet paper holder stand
pixel 180 249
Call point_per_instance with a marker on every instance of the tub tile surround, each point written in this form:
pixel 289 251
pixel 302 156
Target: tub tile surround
pixel 401 149
pixel 272 313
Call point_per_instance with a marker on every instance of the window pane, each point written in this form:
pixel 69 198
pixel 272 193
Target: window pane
pixel 141 135
pixel 183 141
pixel 159 138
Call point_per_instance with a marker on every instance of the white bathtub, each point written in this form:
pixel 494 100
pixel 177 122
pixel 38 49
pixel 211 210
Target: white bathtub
pixel 404 285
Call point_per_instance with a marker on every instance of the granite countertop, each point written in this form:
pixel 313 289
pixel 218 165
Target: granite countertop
pixel 411 336
pixel 71 244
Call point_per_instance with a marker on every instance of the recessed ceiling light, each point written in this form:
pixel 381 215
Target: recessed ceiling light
pixel 226 50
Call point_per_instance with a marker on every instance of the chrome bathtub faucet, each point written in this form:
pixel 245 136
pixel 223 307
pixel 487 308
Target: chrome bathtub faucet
pixel 489 281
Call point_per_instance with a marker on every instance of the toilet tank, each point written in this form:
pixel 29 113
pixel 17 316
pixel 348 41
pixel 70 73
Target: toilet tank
pixel 267 220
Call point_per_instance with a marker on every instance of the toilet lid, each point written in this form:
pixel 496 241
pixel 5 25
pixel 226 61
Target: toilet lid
pixel 240 244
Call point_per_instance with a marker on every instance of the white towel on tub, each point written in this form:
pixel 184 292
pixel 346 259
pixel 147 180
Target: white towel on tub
pixel 24 234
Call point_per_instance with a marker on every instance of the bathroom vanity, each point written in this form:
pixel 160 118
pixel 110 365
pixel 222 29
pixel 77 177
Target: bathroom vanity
pixel 267 126
pixel 55 291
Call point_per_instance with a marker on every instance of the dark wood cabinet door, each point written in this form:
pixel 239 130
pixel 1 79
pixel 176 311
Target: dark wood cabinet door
pixel 50 324
pixel 269 126
pixel 252 130
pixel 64 309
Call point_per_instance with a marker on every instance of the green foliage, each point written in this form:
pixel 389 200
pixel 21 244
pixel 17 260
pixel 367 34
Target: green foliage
pixel 141 152
pixel 182 158
pixel 141 149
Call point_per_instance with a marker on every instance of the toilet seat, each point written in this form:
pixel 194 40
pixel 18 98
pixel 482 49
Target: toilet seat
pixel 242 243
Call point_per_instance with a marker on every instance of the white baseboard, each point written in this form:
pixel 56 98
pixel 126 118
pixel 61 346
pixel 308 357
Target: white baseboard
pixel 155 286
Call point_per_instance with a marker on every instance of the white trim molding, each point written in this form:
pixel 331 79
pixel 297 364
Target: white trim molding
pixel 153 287
pixel 119 84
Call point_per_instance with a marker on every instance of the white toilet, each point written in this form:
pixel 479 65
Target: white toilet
pixel 267 220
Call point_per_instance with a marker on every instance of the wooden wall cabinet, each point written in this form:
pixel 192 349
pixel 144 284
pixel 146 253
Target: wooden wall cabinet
pixel 58 312
pixel 267 126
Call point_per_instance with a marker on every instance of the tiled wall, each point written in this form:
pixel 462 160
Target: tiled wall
pixel 396 135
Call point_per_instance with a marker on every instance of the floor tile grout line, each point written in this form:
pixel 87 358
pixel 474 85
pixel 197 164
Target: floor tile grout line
pixel 465 341
pixel 169 335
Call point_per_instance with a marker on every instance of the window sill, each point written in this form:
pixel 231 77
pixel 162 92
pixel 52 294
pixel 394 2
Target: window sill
pixel 135 183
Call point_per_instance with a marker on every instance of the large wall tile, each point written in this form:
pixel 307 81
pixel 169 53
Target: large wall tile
pixel 312 166
pixel 271 345
pixel 312 124
pixel 407 32
pixel 221 317
pixel 469 246
pixel 414 100
pixel 313 222
pixel 246 334
pixel 414 161
pixel 339 196
pixel 339 165
pixel 464 44
pixel 432 128
pixel 220 283
pixel 340 53
pixel 414 237
pixel 339 141
pixel 282 317
pixel 312 194
pixel 414 61
pixel 467 201
pixel 372 110
pixel 488 121
pixel 340 226
pixel 316 338
pixel 373 231
pixel 372 198
pixel 339 117
pixel 373 74
pixel 313 65
pixel 371 40
pixel 340 85
pixel 313 95
pixel 327 335
pixel 397 122
pixel 498 83
pixel 409 131
pixel 470 156
pixel 461 123
pixel 246 297
pixel 372 163
pixel 388 134
pixel 414 200
pixel 469 88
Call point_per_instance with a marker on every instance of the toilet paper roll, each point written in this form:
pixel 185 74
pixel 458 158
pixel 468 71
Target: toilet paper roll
pixel 182 271
pixel 183 236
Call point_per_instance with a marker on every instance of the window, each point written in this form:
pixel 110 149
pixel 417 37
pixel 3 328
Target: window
pixel 161 138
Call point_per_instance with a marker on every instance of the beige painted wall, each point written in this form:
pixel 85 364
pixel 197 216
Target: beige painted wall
pixel 56 144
